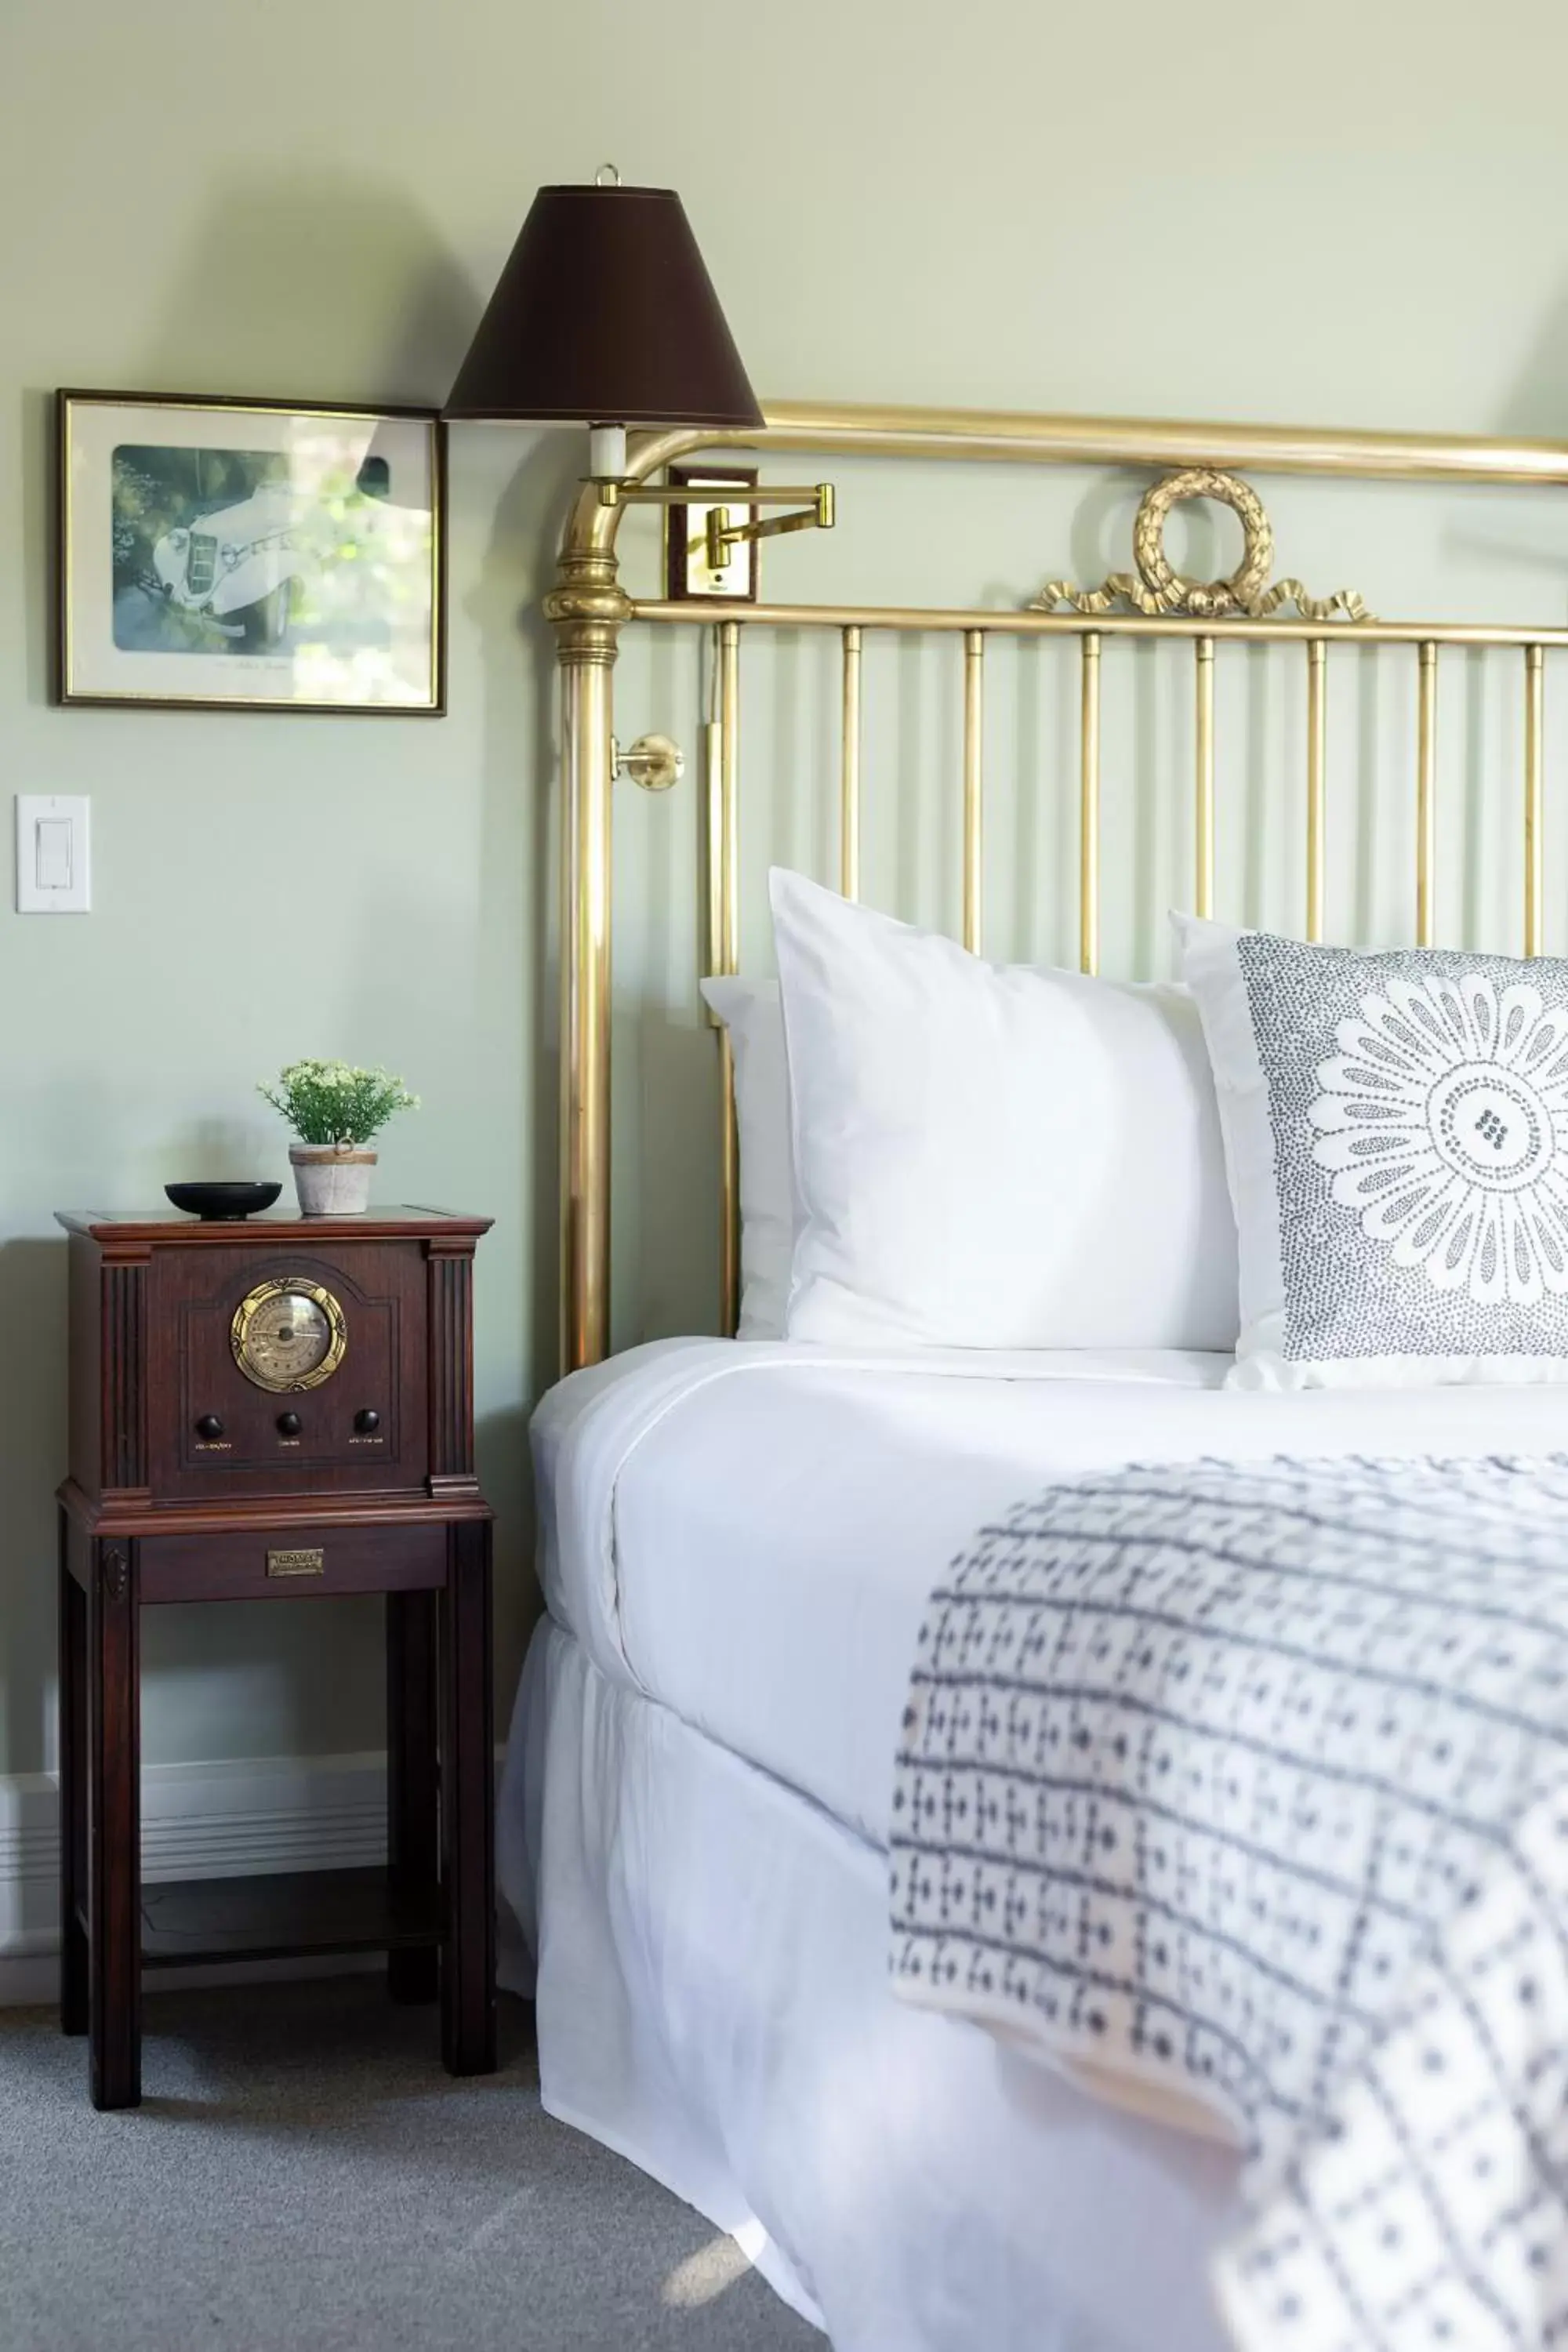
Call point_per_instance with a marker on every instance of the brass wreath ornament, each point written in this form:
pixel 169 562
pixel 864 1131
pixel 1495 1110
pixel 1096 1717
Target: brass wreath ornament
pixel 1210 601
pixel 1157 587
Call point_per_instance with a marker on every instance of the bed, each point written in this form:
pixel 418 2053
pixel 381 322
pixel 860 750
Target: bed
pixel 740 1537
pixel 738 1544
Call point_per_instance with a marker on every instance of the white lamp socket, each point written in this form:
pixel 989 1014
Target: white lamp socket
pixel 608 452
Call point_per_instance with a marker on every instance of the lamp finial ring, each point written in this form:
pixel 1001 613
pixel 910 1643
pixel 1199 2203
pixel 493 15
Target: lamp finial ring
pixel 613 181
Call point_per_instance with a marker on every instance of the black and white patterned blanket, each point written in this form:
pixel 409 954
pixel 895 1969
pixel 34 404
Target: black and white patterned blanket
pixel 1251 1782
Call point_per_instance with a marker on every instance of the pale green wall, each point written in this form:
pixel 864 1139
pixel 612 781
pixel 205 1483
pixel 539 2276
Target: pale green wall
pixel 1343 216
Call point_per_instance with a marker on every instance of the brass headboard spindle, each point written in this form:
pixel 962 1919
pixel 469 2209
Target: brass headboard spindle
pixel 1317 742
pixel 726 958
pixel 1203 880
pixel 1427 797
pixel 974 765
pixel 729 939
pixel 849 771
pixel 1089 804
pixel 1534 828
pixel 714 827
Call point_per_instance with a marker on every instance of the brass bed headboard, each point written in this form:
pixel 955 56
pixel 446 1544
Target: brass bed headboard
pixel 588 608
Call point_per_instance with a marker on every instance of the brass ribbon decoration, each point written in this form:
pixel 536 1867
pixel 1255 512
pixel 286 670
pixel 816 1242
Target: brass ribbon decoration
pixel 1158 587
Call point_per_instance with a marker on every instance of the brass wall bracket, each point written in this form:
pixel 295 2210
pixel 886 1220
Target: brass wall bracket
pixel 688 575
pixel 654 762
pixel 1157 587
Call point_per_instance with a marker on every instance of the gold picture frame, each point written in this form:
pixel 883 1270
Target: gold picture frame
pixel 226 554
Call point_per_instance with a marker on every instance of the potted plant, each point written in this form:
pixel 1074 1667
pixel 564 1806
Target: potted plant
pixel 335 1110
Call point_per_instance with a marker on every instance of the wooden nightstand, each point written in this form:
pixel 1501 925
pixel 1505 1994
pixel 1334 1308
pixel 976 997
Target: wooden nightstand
pixel 277 1409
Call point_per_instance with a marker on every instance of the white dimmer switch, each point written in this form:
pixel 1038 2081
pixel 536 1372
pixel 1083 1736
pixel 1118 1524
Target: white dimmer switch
pixel 52 875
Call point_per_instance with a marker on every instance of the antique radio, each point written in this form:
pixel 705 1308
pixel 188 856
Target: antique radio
pixel 218 1363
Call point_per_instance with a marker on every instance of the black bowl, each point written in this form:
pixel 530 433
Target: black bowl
pixel 212 1202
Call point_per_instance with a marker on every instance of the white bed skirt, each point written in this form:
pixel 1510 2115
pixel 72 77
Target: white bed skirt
pixel 714 2003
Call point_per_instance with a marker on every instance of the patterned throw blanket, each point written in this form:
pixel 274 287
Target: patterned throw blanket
pixel 1251 1782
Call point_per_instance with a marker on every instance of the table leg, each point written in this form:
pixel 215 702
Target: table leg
pixel 71 1735
pixel 114 1826
pixel 413 1816
pixel 467 1805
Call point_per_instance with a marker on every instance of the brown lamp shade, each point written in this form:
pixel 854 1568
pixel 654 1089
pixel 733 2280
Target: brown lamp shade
pixel 605 314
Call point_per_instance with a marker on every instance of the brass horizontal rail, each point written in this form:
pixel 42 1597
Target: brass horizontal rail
pixel 968 435
pixel 937 619
pixel 899 430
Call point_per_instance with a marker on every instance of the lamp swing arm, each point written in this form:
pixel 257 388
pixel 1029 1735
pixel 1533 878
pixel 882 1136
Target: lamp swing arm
pixel 814 507
pixel 626 490
pixel 723 534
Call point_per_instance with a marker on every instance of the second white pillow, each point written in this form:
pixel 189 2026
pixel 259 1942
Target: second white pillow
pixel 993 1155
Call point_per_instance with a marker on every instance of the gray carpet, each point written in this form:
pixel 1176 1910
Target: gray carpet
pixel 303 2177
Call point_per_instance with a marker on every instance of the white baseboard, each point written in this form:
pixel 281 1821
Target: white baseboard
pixel 198 1820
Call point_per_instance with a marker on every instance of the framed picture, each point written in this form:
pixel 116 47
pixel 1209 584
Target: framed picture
pixel 248 555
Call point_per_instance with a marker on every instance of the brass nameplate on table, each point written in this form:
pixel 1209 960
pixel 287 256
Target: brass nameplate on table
pixel 296 1563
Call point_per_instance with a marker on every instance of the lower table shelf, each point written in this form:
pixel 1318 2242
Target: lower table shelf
pixel 187 1922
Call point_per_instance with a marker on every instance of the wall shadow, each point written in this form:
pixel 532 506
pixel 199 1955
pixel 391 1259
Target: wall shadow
pixel 1537 404
pixel 316 285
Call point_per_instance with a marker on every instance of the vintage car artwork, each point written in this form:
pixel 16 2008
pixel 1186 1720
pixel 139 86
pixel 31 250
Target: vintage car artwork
pixel 235 568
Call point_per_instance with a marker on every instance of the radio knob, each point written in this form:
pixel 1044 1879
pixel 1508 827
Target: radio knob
pixel 209 1426
pixel 367 1420
pixel 289 1424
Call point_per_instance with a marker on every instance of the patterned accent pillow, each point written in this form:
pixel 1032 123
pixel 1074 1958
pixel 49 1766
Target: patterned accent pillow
pixel 1396 1140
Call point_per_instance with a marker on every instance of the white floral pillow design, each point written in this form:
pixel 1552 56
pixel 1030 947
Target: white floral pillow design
pixel 1442 1119
pixel 1397 1136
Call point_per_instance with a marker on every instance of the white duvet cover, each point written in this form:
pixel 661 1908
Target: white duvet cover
pixel 748 1532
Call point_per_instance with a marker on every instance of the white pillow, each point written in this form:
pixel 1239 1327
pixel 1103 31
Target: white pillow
pixel 1397 1138
pixel 994 1156
pixel 750 1011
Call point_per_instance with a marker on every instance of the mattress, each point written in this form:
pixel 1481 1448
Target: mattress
pixel 747 1532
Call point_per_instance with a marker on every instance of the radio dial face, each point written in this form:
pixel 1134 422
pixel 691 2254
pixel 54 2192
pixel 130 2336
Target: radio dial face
pixel 289 1334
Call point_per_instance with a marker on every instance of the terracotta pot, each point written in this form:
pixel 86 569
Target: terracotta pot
pixel 331 1179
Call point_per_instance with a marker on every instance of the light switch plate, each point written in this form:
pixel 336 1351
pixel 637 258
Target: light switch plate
pixel 53 874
